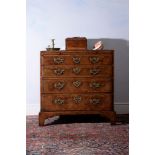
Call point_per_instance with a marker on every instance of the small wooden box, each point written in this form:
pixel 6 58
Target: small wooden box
pixel 76 43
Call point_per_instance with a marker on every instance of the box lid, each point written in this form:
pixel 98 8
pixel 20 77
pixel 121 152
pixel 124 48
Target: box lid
pixel 77 38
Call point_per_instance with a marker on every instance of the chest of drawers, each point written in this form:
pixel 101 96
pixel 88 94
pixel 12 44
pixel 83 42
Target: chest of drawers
pixel 76 82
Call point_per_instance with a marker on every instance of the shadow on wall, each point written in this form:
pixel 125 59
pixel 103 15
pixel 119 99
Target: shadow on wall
pixel 121 66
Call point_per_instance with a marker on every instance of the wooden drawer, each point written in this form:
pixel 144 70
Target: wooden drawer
pixel 102 59
pixel 56 102
pixel 76 85
pixel 77 71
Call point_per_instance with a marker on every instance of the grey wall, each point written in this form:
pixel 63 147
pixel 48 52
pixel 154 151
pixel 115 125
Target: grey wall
pixel 60 19
pixel 121 70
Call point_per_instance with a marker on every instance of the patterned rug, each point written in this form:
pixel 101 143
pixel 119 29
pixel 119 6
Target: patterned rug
pixel 76 138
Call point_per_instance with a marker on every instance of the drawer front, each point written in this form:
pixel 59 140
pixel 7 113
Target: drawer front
pixel 77 71
pixel 101 59
pixel 53 102
pixel 77 85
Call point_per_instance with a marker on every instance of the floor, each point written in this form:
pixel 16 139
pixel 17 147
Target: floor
pixel 77 135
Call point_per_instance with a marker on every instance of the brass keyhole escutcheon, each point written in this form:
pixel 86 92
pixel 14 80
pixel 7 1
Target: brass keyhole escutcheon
pixel 59 101
pixel 58 60
pixel 77 83
pixel 77 99
pixel 76 60
pixel 76 70
pixel 94 60
pixel 59 85
pixel 59 71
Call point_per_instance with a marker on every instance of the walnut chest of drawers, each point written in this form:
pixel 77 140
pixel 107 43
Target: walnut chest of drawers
pixel 76 82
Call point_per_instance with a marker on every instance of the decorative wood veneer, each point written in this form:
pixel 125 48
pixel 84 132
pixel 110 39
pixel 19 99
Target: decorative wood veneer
pixel 76 82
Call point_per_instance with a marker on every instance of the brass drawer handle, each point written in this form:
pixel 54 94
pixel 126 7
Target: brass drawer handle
pixel 95 101
pixel 76 60
pixel 95 85
pixel 77 99
pixel 76 70
pixel 94 71
pixel 77 83
pixel 59 85
pixel 94 59
pixel 59 71
pixel 59 101
pixel 58 60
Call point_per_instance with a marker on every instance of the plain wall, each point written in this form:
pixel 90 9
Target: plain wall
pixel 95 19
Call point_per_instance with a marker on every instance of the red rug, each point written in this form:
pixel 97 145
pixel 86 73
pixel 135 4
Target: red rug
pixel 76 138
